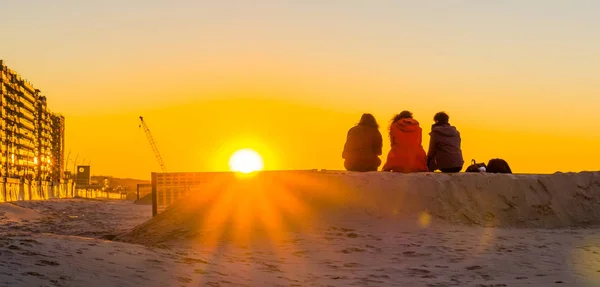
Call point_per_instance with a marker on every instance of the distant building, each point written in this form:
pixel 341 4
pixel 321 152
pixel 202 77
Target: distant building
pixel 32 137
pixel 58 147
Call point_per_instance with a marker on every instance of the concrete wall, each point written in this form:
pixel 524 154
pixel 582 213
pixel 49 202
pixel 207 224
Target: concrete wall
pixel 501 200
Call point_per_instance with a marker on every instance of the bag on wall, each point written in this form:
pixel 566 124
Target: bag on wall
pixel 476 167
pixel 498 165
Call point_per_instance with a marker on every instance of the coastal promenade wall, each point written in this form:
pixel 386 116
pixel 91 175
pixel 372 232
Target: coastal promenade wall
pixel 17 189
pixel 500 200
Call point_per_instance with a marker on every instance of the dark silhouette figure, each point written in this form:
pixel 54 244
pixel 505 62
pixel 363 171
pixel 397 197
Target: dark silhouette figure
pixel 444 146
pixel 363 145
pixel 407 153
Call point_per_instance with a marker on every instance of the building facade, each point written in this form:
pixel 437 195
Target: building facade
pixel 32 137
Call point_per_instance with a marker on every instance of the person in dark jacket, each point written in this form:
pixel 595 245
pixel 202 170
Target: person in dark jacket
pixel 444 146
pixel 363 146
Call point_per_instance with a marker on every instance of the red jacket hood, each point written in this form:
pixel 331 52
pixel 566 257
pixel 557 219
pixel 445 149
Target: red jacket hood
pixel 407 125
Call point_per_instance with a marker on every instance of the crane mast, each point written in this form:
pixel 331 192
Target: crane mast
pixel 153 145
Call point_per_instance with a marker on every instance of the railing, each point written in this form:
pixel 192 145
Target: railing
pixel 143 189
pixel 171 186
pixel 13 189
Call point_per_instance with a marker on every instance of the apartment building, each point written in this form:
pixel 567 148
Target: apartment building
pixel 32 137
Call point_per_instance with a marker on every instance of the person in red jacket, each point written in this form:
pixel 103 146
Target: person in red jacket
pixel 407 153
pixel 363 146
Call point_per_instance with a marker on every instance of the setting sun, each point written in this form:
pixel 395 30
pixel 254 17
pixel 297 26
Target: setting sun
pixel 246 161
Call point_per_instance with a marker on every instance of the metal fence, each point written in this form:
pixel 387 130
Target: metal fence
pixel 143 189
pixel 167 187
pixel 96 193
pixel 12 189
pixel 17 189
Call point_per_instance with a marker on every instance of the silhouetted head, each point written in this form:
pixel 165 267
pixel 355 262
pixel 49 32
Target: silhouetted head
pixel 368 120
pixel 401 115
pixel 441 118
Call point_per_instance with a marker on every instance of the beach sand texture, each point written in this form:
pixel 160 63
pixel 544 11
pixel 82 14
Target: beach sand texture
pixel 373 229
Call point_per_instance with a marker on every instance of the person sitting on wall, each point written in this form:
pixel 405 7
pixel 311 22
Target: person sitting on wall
pixel 363 145
pixel 407 153
pixel 444 146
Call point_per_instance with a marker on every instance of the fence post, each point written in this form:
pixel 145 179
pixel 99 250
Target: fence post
pixel 154 195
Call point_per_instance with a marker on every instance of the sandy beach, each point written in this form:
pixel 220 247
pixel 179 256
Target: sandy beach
pixel 299 143
pixel 65 243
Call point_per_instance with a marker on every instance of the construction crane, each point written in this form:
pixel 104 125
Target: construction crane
pixel 153 145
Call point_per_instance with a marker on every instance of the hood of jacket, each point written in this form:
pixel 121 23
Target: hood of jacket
pixel 445 130
pixel 407 125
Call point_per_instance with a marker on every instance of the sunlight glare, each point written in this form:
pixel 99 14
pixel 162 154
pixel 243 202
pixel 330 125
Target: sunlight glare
pixel 246 161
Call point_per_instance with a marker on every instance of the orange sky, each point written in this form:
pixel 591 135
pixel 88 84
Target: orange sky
pixel 520 81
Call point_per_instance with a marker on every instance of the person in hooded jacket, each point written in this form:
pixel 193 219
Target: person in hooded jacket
pixel 406 154
pixel 363 146
pixel 444 146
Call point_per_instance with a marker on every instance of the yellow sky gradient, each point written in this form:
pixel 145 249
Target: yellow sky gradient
pixel 201 135
pixel 519 80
